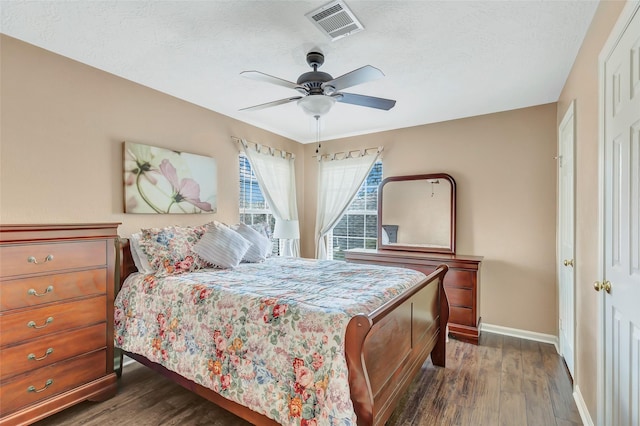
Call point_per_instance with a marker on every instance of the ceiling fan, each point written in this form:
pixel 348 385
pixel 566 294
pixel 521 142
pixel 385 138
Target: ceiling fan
pixel 320 90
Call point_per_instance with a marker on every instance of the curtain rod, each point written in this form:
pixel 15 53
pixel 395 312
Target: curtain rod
pixel 259 147
pixel 348 154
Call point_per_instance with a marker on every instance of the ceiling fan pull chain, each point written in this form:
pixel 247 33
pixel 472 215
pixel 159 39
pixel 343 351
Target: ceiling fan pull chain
pixel 317 117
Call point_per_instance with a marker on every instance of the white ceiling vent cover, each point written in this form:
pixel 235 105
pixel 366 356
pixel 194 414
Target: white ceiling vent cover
pixel 335 20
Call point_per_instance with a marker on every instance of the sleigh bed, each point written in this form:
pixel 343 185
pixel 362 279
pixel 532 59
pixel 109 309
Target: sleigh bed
pixel 384 347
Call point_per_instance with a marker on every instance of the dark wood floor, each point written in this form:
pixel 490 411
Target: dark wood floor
pixel 503 381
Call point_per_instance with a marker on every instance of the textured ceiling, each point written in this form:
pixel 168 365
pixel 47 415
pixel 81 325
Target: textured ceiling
pixel 442 59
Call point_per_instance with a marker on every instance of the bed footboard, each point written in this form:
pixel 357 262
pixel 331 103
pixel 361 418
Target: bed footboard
pixel 386 348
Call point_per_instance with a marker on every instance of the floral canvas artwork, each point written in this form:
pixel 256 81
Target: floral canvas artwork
pixel 158 180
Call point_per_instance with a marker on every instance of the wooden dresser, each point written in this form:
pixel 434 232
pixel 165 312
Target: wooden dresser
pixel 461 283
pixel 57 287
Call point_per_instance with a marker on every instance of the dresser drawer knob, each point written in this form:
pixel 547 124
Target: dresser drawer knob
pixel 33 292
pixel 46 385
pixel 32 324
pixel 46 354
pixel 33 260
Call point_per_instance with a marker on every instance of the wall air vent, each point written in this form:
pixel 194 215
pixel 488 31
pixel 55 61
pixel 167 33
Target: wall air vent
pixel 335 20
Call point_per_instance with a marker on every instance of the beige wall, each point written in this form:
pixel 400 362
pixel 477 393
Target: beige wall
pixel 582 86
pixel 506 193
pixel 62 128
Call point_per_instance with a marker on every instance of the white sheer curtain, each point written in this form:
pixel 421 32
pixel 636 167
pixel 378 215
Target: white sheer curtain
pixel 276 175
pixel 338 182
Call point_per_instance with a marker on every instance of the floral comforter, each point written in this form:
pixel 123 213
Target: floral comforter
pixel 269 335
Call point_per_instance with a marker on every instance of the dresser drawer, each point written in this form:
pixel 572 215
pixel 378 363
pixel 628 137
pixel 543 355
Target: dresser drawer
pixel 38 258
pixel 459 278
pixel 453 277
pixel 51 380
pixel 462 316
pixel 48 350
pixel 35 291
pixel 39 322
pixel 462 297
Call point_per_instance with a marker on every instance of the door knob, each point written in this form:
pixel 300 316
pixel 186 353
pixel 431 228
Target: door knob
pixel 606 286
pixel 568 262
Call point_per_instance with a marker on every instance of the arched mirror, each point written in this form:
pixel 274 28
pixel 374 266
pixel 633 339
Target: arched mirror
pixel 417 213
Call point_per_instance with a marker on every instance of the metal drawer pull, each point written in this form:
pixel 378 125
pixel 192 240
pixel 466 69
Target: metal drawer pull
pixel 46 385
pixel 32 324
pixel 33 292
pixel 33 260
pixel 33 356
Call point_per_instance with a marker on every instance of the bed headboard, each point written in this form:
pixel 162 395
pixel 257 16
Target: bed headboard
pixel 126 264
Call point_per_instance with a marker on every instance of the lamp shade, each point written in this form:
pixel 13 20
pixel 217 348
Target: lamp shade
pixel 286 229
pixel 316 105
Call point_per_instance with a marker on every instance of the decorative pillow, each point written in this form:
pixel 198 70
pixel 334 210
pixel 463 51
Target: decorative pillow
pixel 260 245
pixel 222 246
pixel 169 250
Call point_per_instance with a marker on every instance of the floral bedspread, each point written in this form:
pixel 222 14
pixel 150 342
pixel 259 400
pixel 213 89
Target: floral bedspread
pixel 268 335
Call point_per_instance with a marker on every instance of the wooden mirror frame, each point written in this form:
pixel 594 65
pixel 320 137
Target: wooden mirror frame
pixel 399 246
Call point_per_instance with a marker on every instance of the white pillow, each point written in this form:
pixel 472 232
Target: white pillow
pixel 260 245
pixel 139 258
pixel 263 228
pixel 222 246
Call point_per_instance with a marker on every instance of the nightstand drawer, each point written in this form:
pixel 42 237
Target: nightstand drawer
pixel 463 316
pixel 21 293
pixel 38 258
pixel 45 382
pixel 37 323
pixel 462 297
pixel 57 347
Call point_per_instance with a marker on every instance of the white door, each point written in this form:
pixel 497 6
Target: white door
pixel 620 289
pixel 566 235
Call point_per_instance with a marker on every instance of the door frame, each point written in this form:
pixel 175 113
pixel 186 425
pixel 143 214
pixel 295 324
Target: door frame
pixel 629 10
pixel 570 113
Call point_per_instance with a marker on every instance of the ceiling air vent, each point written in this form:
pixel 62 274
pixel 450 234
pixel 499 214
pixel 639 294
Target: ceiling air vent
pixel 335 20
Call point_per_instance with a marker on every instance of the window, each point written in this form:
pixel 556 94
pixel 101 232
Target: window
pixel 254 209
pixel 358 228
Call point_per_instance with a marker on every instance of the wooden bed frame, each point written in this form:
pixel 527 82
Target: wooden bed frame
pixel 385 349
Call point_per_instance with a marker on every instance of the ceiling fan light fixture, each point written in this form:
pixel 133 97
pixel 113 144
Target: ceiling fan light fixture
pixel 316 105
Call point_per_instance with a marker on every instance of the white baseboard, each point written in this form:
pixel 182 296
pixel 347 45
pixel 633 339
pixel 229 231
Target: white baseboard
pixel 582 407
pixel 523 334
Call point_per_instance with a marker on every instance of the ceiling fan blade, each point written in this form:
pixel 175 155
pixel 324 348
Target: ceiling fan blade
pixel 270 104
pixel 260 76
pixel 366 101
pixel 358 76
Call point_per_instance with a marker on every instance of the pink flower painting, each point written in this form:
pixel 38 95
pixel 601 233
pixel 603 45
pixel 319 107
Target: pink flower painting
pixel 158 180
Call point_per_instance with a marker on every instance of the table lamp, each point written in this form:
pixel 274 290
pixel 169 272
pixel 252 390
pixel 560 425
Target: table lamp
pixel 287 230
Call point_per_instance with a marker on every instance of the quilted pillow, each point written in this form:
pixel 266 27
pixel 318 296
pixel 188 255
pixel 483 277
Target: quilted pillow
pixel 139 258
pixel 222 246
pixel 260 245
pixel 169 250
